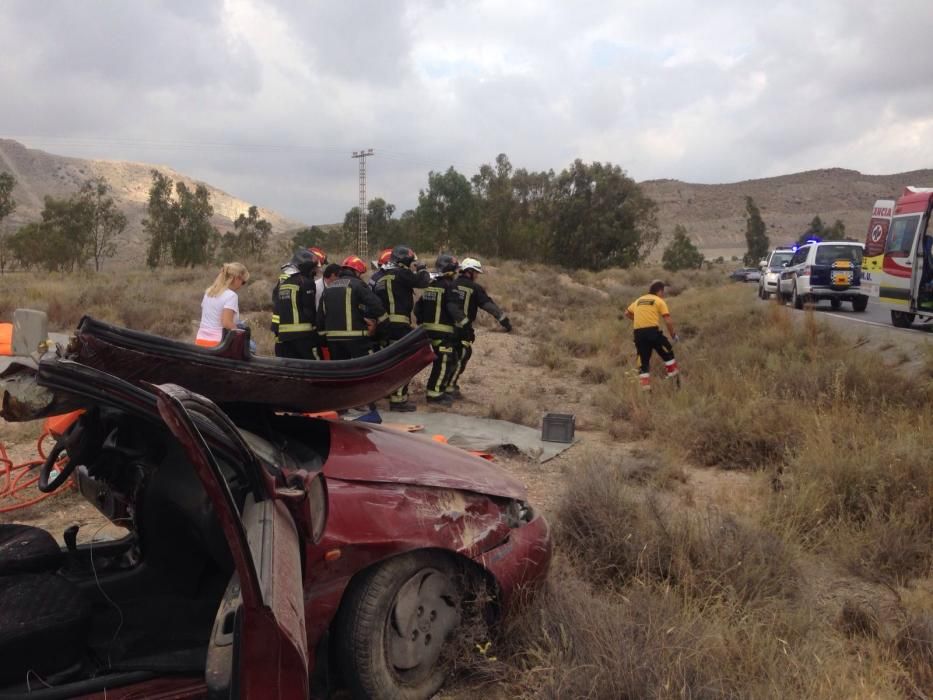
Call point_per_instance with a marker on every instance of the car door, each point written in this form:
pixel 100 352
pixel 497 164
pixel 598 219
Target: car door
pixel 258 647
pixel 789 273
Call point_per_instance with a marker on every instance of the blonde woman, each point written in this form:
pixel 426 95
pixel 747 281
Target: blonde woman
pixel 220 307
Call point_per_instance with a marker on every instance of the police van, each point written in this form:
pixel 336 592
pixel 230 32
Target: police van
pixel 897 270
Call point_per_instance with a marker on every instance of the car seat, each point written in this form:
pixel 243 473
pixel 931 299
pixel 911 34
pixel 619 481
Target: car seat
pixel 27 549
pixel 44 623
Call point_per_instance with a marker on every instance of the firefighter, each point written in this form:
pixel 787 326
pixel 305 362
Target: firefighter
pixel 294 309
pixel 379 267
pixel 395 287
pixel 347 305
pixel 439 314
pixel 647 311
pixel 471 297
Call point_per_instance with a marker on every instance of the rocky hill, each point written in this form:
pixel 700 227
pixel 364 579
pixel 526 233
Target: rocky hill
pixel 39 174
pixel 714 215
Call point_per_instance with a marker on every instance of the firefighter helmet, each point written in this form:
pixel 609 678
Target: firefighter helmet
pixel 385 256
pixel 403 255
pixel 319 254
pixel 304 260
pixel 354 263
pixel 471 264
pixel 446 263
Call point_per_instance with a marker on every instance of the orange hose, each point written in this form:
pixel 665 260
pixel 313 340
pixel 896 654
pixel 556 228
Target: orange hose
pixel 16 478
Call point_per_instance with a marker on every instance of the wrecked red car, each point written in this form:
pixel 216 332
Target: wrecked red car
pixel 268 554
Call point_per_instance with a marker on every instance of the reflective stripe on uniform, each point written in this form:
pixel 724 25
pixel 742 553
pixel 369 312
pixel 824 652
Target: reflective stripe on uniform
pixel 398 318
pixel 439 327
pixel 348 310
pixel 345 334
pixel 295 327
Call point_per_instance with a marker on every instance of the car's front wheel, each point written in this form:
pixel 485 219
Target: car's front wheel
pixel 836 304
pixel 796 298
pixel 860 303
pixel 394 624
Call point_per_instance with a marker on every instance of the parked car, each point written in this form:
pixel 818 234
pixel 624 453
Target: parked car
pixel 745 274
pixel 267 552
pixel 825 270
pixel 771 271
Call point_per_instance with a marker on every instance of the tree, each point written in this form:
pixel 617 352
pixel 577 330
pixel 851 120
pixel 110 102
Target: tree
pixel 756 236
pixel 196 238
pixel 681 254
pixel 250 237
pixel 600 218
pixel 446 213
pixel 60 241
pixel 331 238
pixel 493 189
pixel 162 220
pixel 7 207
pixel 180 227
pixel 106 221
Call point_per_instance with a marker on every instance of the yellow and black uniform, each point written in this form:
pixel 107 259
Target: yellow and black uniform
pixel 648 312
pixel 395 286
pixel 345 306
pixel 471 297
pixel 439 313
pixel 293 316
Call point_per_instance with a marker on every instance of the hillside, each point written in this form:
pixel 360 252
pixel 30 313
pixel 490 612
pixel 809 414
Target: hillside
pixel 39 174
pixel 714 214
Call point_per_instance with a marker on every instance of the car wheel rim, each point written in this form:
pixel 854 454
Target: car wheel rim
pixel 425 612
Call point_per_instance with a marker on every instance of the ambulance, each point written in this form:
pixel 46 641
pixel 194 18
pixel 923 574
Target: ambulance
pixel 897 270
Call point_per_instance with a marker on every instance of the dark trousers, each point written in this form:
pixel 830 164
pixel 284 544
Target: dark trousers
pixel 349 348
pixel 648 340
pixel 445 364
pixel 397 331
pixel 466 352
pixel 301 349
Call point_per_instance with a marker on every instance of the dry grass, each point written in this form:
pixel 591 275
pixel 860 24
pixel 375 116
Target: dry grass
pixel 646 600
pixel 652 596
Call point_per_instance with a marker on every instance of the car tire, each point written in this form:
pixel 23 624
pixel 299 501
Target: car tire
pixel 394 623
pixel 796 298
pixel 902 319
pixel 860 304
pixel 836 304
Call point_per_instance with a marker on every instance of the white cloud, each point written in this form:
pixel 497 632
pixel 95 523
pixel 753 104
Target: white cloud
pixel 267 98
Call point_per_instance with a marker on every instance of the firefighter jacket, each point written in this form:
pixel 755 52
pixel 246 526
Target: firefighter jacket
pixel 396 287
pixel 471 297
pixel 346 303
pixel 438 310
pixel 293 306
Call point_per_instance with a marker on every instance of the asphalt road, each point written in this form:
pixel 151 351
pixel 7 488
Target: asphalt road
pixel 874 315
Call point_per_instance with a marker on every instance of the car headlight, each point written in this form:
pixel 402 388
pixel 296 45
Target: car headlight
pixel 517 513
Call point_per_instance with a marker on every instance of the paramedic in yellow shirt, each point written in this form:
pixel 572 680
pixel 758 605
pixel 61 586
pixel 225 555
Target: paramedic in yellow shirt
pixel 646 312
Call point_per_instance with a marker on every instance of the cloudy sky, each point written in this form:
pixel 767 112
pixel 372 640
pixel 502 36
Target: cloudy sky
pixel 268 98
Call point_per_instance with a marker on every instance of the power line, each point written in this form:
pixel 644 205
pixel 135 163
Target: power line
pixel 362 243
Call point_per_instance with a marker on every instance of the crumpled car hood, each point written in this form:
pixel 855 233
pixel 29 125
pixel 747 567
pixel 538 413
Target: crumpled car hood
pixel 367 452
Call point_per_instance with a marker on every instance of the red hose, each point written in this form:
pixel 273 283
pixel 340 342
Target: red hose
pixel 15 479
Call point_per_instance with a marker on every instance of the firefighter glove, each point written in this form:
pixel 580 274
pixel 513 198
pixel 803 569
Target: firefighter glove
pixel 506 324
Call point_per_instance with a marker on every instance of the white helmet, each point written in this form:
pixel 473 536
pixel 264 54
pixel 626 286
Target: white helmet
pixel 471 264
